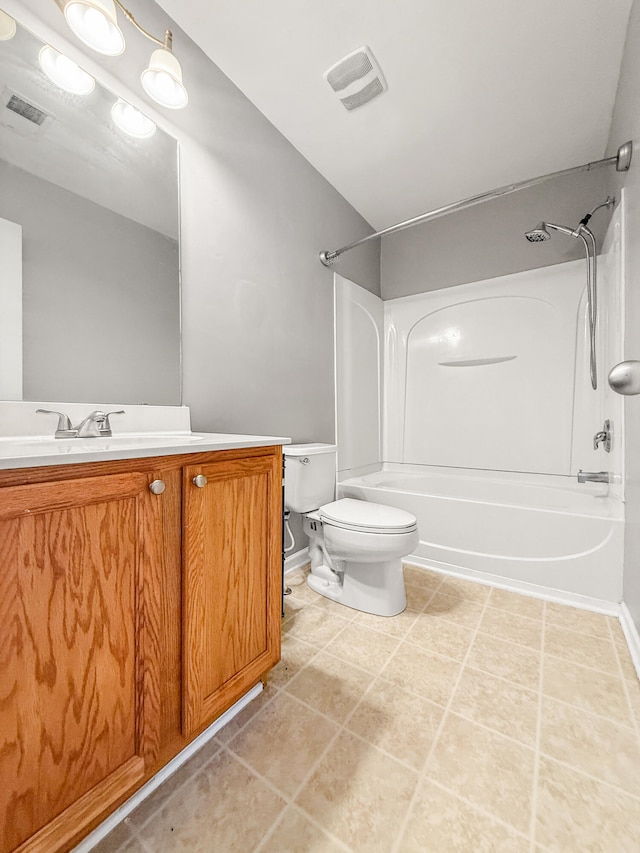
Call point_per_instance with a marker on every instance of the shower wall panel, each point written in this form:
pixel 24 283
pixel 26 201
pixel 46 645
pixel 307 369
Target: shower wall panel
pixel 482 375
pixel 359 331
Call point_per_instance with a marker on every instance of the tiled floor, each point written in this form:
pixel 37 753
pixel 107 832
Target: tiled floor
pixel 478 720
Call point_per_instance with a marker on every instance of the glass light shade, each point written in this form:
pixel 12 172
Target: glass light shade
pixel 96 24
pixel 65 73
pixel 7 26
pixel 162 80
pixel 131 120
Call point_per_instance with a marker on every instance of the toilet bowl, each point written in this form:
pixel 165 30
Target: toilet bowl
pixel 355 546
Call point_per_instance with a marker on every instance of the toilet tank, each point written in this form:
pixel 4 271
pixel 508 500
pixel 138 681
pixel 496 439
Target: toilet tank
pixel 309 475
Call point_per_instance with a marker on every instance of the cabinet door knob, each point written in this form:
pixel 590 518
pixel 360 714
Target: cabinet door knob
pixel 157 487
pixel 200 481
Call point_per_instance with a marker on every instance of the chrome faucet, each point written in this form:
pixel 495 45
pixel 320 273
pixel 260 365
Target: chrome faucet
pixel 594 476
pixel 96 424
pixel 604 437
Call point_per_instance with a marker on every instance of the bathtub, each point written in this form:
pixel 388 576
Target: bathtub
pixel 538 533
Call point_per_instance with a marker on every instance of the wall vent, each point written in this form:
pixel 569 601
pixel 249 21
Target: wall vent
pixel 23 108
pixel 356 78
pixel 22 116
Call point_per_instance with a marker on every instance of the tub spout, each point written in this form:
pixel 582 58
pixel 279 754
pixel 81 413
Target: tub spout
pixel 594 476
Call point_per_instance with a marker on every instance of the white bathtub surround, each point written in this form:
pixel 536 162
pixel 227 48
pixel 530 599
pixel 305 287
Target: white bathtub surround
pixel 488 415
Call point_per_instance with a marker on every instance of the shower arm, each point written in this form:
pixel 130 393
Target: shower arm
pixel 622 162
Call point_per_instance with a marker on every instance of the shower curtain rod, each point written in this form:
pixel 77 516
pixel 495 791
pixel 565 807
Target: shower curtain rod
pixel 622 161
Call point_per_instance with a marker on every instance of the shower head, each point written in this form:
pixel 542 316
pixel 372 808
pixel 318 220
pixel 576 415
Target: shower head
pixel 538 234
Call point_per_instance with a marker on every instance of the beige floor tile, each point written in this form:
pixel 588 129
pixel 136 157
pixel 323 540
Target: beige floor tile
pixel 423 578
pixel 442 823
pixel 478 593
pixel 579 814
pixel 283 742
pixel 233 727
pixel 506 660
pixel 394 626
pixel 225 807
pixel 520 605
pixel 500 705
pixel 586 688
pixel 574 619
pixel 121 840
pixel 512 628
pixel 296 834
pixel 418 597
pixel 398 722
pixel 314 625
pixel 438 635
pixel 330 685
pixel 486 769
pixel 295 655
pixel 359 795
pixel 598 747
pixel 597 652
pixel 161 796
pixel 455 609
pixel 430 675
pixel 363 647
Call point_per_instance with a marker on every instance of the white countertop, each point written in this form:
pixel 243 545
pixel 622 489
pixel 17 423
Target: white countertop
pixel 36 451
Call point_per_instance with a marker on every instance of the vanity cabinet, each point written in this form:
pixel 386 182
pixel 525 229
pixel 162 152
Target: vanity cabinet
pixel 129 621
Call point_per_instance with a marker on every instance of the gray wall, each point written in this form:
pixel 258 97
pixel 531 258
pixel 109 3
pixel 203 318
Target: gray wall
pixel 101 313
pixel 488 240
pixel 626 125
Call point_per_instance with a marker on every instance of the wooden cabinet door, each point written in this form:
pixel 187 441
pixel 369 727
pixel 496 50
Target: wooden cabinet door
pixel 72 736
pixel 231 581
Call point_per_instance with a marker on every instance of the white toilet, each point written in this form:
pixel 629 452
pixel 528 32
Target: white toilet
pixel 355 546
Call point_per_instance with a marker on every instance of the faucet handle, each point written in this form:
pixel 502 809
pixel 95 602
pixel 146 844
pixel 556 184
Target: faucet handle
pixel 104 425
pixel 64 428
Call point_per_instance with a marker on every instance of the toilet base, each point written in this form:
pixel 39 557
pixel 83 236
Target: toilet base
pixel 376 588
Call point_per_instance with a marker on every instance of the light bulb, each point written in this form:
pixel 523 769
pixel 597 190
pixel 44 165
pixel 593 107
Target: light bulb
pixel 65 73
pixel 7 26
pixel 162 80
pixel 95 23
pixel 131 120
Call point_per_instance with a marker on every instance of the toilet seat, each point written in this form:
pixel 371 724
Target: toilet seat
pixel 367 517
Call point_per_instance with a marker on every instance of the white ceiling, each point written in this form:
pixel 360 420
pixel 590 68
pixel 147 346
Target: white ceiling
pixel 481 92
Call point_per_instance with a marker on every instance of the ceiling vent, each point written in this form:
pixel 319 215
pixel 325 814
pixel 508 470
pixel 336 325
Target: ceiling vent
pixel 356 79
pixel 21 115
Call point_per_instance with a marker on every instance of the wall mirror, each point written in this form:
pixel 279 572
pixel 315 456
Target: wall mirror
pixel 89 255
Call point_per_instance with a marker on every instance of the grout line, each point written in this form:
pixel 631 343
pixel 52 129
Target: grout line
pixel 436 738
pixel 617 788
pixel 536 760
pixel 476 807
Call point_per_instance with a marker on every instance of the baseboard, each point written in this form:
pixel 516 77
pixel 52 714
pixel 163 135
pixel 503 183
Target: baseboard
pixel 631 636
pixel 558 596
pixel 162 775
pixel 295 561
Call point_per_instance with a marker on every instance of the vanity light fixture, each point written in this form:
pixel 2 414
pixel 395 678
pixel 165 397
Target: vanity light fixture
pixel 7 26
pixel 65 73
pixel 131 120
pixel 95 22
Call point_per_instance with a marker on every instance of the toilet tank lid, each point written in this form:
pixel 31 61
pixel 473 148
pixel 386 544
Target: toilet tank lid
pixel 364 514
pixel 308 449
